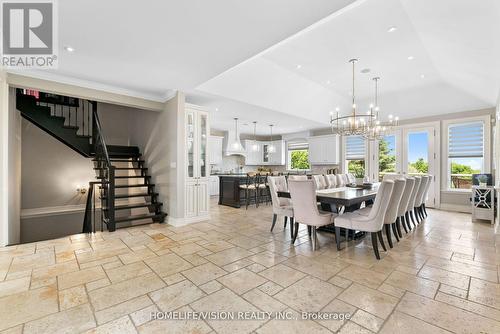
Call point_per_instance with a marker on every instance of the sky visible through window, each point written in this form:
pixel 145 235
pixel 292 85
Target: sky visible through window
pixel 417 146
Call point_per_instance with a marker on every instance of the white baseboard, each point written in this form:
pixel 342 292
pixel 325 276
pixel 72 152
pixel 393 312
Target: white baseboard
pixel 455 207
pixel 186 221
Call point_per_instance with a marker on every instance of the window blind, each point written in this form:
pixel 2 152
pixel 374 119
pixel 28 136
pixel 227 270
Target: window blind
pixel 294 146
pixel 466 140
pixel 355 148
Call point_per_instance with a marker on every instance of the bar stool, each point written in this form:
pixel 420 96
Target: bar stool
pixel 249 186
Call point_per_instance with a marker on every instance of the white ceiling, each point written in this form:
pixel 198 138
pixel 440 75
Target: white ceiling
pixel 454 43
pixel 242 56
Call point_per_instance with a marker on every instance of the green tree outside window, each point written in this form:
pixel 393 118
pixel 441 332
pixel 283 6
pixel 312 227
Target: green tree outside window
pixel 299 159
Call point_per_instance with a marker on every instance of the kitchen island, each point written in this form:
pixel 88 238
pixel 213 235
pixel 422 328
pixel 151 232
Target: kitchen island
pixel 230 193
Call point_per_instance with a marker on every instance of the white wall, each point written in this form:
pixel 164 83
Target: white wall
pixel 4 168
pixel 161 138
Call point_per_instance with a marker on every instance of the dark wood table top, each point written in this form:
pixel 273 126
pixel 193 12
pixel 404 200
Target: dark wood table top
pixel 345 196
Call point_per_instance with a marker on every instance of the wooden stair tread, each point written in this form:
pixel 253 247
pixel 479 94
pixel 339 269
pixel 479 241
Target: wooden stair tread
pixel 133 195
pixel 139 217
pixel 135 206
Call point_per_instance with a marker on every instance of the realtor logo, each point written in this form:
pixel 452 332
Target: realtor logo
pixel 29 34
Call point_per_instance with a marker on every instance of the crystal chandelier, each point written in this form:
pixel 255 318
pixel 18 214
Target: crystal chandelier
pixel 367 125
pixel 377 129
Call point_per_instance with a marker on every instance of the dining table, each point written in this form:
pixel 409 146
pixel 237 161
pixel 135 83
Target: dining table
pixel 343 199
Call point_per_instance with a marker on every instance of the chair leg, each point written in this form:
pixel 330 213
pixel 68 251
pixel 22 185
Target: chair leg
pixel 337 237
pixel 248 199
pixel 395 231
pixel 375 245
pixel 257 198
pixel 388 234
pixel 285 219
pixel 379 233
pixel 398 227
pixel 309 228
pixel 291 227
pixel 314 239
pixel 275 217
pixel 296 231
pixel 403 222
pixel 425 209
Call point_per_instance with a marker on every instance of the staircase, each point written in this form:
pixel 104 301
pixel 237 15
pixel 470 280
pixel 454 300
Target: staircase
pixel 123 187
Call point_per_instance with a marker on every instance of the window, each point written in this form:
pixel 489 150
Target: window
pixel 355 155
pixel 298 156
pixel 386 155
pixel 465 153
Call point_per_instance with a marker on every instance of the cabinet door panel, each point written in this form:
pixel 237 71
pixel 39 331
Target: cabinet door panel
pixel 191 199
pixel 202 198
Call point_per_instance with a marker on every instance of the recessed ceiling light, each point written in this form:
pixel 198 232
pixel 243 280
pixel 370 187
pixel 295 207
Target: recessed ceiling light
pixel 411 57
pixel 216 109
pixel 422 76
pixel 328 82
pixel 365 70
pixel 392 29
pixel 298 66
pixel 69 48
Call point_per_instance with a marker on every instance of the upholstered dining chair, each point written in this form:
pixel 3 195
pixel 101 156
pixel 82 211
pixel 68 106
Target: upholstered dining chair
pixel 281 206
pixel 341 180
pixel 297 177
pixel 331 181
pixel 409 210
pixel 391 215
pixel 350 178
pixel 372 223
pixel 305 210
pixel 405 200
pixel 319 182
pixel 426 194
pixel 420 198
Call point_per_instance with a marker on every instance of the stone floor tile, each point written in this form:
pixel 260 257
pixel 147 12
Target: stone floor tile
pixel 229 255
pixel 72 297
pixel 74 320
pixel 343 311
pixel 402 323
pixel 446 316
pixel 25 306
pixel 120 292
pixel 127 272
pixel 367 320
pixel 485 293
pixel 263 301
pixel 369 300
pixel 420 286
pixel 451 290
pixel 353 328
pixel 123 326
pixel 340 281
pixel 469 306
pixel 75 278
pixel 363 276
pixel 292 326
pixel 122 309
pixel 242 281
pixel 227 300
pixel 177 295
pixel 168 264
pixel 204 273
pixel 175 326
pixel 282 275
pixel 308 295
pixel 142 316
pixel 444 276
pixel 211 287
pixel 14 286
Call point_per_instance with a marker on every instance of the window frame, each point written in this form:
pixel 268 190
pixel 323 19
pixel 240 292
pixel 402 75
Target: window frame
pixel 288 158
pixel 446 161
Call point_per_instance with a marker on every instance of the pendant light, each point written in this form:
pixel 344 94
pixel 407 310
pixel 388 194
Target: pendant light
pixel 255 145
pixel 271 148
pixel 236 145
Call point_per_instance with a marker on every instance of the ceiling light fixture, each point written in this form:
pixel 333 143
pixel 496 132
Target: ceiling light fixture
pixel 392 29
pixel 271 148
pixel 411 57
pixel 328 82
pixel 422 76
pixel 236 145
pixel 255 145
pixel 299 66
pixel 69 48
pixel 366 124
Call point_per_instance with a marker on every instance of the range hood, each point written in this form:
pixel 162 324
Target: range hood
pixel 232 144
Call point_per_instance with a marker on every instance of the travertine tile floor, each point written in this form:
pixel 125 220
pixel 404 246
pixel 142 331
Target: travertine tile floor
pixel 441 278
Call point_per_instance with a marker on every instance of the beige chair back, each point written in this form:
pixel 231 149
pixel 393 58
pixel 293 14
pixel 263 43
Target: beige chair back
pixel 303 194
pixel 278 183
pixel 319 182
pixel 395 201
pixel 405 199
pixel 331 181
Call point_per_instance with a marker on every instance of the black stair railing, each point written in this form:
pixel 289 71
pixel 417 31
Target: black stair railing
pixel 106 174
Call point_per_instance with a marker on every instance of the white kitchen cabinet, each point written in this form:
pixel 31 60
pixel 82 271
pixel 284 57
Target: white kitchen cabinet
pixel 324 150
pixel 197 167
pixel 263 157
pixel 213 186
pixel 215 150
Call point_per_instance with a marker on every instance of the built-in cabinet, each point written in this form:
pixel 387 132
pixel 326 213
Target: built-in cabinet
pixel 213 185
pixel 215 150
pixel 264 155
pixel 324 150
pixel 197 167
